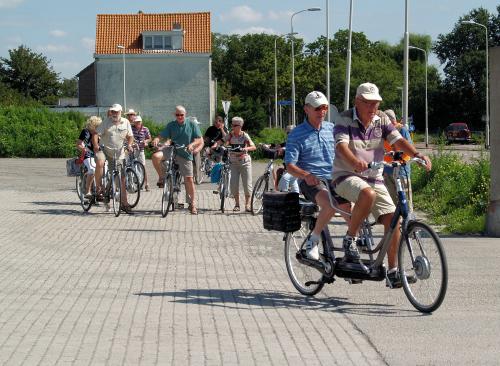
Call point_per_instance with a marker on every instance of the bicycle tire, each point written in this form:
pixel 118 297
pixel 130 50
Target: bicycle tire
pixel 166 197
pixel 85 203
pixel 133 187
pixel 429 267
pixel 261 186
pixel 301 273
pixel 116 193
pixel 223 191
pixel 199 173
pixel 176 189
pixel 78 180
pixel 140 170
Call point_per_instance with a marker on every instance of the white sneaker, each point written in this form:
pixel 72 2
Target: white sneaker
pixel 312 250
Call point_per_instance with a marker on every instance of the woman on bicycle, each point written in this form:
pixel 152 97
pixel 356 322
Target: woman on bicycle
pixel 84 144
pixel 241 163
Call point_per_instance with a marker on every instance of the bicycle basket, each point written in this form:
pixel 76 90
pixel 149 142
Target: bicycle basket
pixel 215 173
pixel 72 167
pixel 281 211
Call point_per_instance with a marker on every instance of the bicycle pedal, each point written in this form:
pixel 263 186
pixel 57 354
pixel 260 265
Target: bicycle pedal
pixel 215 192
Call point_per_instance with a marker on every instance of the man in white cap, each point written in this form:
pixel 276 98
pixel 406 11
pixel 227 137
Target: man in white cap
pixel 359 139
pixel 113 132
pixel 309 156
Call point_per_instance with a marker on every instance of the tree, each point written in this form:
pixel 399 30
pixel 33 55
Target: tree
pixel 69 88
pixel 30 74
pixel 462 53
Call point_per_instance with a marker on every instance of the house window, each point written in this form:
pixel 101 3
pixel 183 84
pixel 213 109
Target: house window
pixel 170 40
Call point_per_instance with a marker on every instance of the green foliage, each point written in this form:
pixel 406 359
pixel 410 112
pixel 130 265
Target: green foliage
pixel 69 88
pixel 267 136
pixel 454 193
pixel 36 132
pixel 30 74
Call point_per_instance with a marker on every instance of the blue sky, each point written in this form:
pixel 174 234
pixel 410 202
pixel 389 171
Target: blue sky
pixel 64 31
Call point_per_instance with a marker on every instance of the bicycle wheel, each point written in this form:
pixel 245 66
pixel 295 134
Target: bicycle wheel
pixel 132 184
pixel 166 198
pixel 176 190
pixel 223 187
pixel 422 257
pixel 78 184
pixel 261 186
pixel 300 273
pixel 86 203
pixel 116 186
pixel 199 174
pixel 140 170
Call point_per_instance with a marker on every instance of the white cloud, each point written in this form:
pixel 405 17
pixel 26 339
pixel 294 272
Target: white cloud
pixel 57 33
pixel 258 30
pixel 277 15
pixel 242 13
pixel 54 48
pixel 10 3
pixel 88 43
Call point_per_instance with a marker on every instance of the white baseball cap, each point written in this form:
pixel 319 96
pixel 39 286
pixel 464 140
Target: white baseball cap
pixel 368 91
pixel 116 107
pixel 316 98
pixel 130 111
pixel 138 119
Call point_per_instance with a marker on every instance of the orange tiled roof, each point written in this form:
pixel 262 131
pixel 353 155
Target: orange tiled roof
pixel 125 29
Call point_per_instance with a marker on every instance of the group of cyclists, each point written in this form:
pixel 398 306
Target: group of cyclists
pixel 316 151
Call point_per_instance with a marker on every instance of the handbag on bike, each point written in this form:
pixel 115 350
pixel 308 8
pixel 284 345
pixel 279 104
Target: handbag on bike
pixel 281 211
pixel 73 167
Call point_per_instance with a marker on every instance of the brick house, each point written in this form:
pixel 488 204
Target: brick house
pixel 166 59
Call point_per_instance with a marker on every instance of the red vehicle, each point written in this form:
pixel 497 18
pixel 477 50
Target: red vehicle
pixel 458 132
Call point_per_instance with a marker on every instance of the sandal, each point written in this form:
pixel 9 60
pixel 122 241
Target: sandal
pixel 248 209
pixel 193 210
pixel 236 208
pixel 126 208
pixel 147 187
pixel 160 183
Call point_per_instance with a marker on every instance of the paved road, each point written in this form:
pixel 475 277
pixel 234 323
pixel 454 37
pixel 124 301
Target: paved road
pixel 91 289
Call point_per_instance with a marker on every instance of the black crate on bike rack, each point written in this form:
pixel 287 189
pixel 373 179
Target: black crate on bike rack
pixel 281 211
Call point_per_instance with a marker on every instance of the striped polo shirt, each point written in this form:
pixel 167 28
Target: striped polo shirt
pixel 367 144
pixel 141 134
pixel 311 149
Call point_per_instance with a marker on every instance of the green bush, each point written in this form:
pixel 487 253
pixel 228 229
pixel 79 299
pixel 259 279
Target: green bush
pixel 36 132
pixel 267 136
pixel 454 193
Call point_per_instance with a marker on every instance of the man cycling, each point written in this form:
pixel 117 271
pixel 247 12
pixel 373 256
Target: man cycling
pixel 309 156
pixel 359 139
pixel 113 132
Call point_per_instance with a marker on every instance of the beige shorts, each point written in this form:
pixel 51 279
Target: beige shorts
pixel 351 187
pixel 185 166
pixel 108 154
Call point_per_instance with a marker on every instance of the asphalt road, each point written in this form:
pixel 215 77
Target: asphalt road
pixel 212 289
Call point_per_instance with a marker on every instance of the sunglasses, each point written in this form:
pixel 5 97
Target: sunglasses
pixel 321 108
pixel 179 115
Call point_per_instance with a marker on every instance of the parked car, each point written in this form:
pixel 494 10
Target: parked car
pixel 458 132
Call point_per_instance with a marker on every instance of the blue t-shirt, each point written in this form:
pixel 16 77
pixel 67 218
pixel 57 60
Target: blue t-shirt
pixel 181 134
pixel 311 149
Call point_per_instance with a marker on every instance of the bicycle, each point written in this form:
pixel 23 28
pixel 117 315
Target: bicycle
pixel 421 257
pixel 263 184
pixel 172 180
pixel 206 165
pixel 111 181
pixel 225 176
pixel 81 189
pixel 132 162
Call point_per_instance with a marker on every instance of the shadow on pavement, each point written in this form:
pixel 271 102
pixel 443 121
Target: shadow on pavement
pixel 233 298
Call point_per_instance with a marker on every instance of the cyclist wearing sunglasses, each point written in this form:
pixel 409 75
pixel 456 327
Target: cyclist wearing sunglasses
pixel 180 132
pixel 309 157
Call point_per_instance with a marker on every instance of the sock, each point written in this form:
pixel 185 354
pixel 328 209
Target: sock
pixel 392 270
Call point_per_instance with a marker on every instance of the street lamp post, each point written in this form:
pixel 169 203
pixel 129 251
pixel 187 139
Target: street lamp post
pixel 405 68
pixel 348 62
pixel 402 97
pixel 487 127
pixel 293 59
pixel 426 109
pixel 276 81
pixel 124 90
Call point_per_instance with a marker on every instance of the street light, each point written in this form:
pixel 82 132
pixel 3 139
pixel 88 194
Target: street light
pixel 487 127
pixel 276 78
pixel 426 110
pixel 348 61
pixel 405 68
pixel 293 60
pixel 124 92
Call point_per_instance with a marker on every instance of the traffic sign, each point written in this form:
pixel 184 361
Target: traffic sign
pixel 285 102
